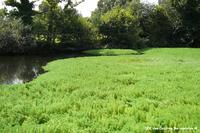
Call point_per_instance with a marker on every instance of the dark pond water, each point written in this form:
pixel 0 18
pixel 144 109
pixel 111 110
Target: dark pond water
pixel 20 69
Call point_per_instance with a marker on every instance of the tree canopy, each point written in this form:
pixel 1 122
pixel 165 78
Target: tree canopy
pixel 24 10
pixel 114 23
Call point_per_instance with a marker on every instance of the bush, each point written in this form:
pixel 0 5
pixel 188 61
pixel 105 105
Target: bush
pixel 77 31
pixel 14 36
pixel 66 29
pixel 156 25
pixel 120 28
pixel 87 34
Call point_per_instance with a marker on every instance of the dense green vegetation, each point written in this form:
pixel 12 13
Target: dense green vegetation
pixel 51 28
pixel 110 90
pixel 15 37
pixel 107 94
pixel 114 24
pixel 174 23
pixel 120 28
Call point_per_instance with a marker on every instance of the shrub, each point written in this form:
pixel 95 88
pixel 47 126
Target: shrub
pixel 87 34
pixel 156 25
pixel 120 28
pixel 14 36
pixel 77 31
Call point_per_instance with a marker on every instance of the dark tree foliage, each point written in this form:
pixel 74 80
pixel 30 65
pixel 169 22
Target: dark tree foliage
pixel 14 37
pixel 24 10
pixel 76 31
pixel 189 11
pixel 156 26
pixel 120 28
pixel 115 23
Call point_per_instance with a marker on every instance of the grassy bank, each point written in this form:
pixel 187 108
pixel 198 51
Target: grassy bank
pixel 122 93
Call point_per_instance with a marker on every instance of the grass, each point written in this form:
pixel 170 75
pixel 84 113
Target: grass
pixel 111 52
pixel 107 94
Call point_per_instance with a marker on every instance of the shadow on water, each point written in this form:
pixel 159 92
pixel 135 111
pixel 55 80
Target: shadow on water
pixel 21 69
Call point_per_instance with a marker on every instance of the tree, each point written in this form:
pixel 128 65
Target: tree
pixel 52 17
pixel 106 5
pixel 77 31
pixel 13 36
pixel 156 25
pixel 120 28
pixel 3 13
pixel 50 21
pixel 189 11
pixel 160 28
pixel 70 27
pixel 95 17
pixel 55 25
pixel 24 10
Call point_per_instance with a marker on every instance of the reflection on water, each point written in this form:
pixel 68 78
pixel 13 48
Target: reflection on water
pixel 20 69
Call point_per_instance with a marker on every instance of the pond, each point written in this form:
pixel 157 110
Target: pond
pixel 21 69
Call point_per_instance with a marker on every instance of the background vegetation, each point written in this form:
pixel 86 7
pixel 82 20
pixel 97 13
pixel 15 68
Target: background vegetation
pixel 116 90
pixel 114 24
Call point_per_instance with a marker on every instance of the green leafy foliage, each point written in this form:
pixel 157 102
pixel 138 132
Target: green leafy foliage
pixel 77 31
pixel 156 26
pixel 24 10
pixel 106 5
pixel 114 24
pixel 189 12
pixel 3 13
pixel 63 26
pixel 14 36
pixel 47 23
pixel 123 94
pixel 120 28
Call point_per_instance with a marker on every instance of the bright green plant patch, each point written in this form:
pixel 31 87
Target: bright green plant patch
pixel 107 94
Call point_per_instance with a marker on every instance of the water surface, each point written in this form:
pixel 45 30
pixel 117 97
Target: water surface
pixel 21 69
